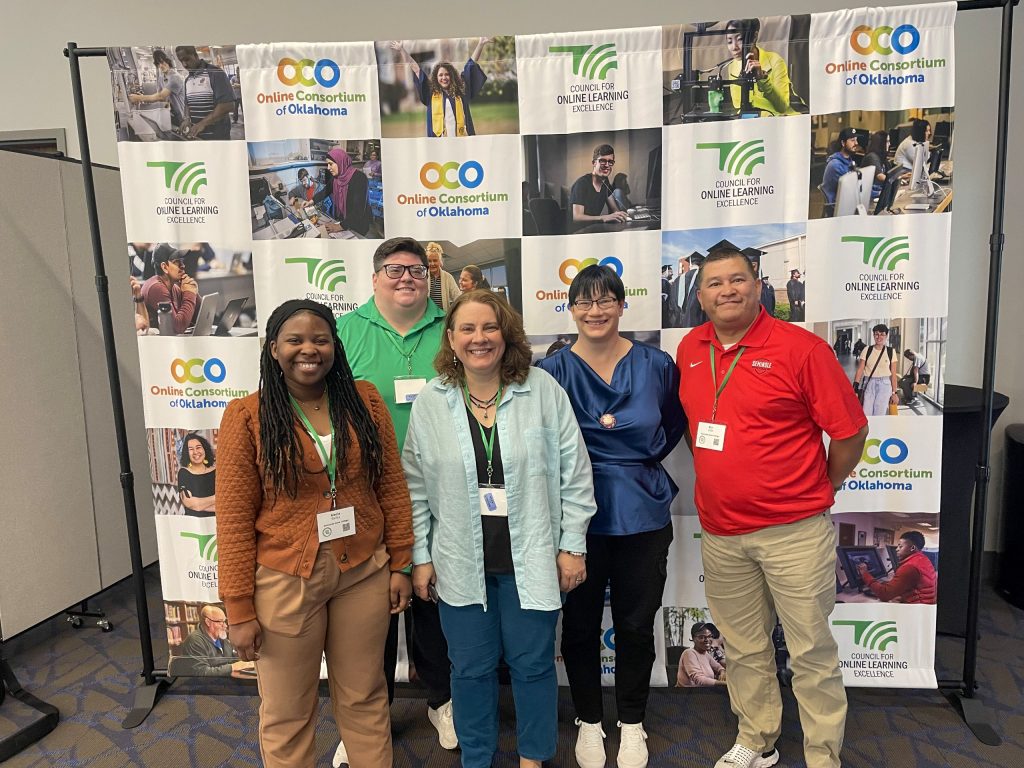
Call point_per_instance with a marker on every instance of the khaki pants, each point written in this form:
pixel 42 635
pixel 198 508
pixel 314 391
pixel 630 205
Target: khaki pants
pixel 346 616
pixel 788 569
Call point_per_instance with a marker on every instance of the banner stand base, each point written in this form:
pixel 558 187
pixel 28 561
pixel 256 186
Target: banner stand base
pixel 145 699
pixel 976 715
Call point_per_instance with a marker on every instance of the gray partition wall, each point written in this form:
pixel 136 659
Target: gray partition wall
pixel 62 527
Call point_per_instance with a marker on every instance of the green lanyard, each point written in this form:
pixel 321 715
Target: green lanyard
pixel 330 461
pixel 401 350
pixel 487 440
pixel 719 388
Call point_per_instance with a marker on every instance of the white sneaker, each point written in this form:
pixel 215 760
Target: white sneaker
pixel 741 757
pixel 443 720
pixel 590 745
pixel 340 755
pixel 632 746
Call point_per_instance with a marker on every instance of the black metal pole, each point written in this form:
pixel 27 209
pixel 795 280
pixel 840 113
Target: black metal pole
pixel 996 242
pixel 113 376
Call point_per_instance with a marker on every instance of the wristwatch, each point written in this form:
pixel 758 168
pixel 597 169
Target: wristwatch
pixel 574 554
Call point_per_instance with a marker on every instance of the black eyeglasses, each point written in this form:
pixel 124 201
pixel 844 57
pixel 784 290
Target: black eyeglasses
pixel 609 163
pixel 605 302
pixel 395 271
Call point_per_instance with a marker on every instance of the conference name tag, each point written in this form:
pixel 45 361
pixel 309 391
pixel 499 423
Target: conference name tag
pixel 336 524
pixel 493 501
pixel 406 388
pixel 710 436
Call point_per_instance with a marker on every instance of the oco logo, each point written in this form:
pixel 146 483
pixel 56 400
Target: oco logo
pixel 207 543
pixel 591 61
pixel 739 158
pixel 184 178
pixel 571 267
pixel 872 635
pixel 197 370
pixel 882 252
pixel 325 274
pixel 885 40
pixel 608 638
pixel 891 451
pixel 469 174
pixel 324 72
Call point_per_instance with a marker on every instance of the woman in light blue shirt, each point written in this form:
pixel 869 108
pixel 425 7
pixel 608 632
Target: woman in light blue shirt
pixel 502 494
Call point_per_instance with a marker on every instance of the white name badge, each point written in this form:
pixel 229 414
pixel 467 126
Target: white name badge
pixel 406 389
pixel 493 501
pixel 710 436
pixel 336 524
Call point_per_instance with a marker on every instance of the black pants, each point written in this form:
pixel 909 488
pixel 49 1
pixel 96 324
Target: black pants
pixel 635 566
pixel 428 649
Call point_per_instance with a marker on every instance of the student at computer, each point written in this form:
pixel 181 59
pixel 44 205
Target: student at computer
pixel 878 148
pixel 771 86
pixel 172 88
pixel 920 133
pixel 173 286
pixel 591 193
pixel 346 194
pixel 915 578
pixel 838 164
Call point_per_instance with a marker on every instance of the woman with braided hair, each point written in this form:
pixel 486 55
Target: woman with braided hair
pixel 313 533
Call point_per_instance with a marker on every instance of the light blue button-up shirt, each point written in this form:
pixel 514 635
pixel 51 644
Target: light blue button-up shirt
pixel 548 482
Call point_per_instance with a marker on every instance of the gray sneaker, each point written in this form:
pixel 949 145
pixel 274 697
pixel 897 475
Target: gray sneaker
pixel 741 757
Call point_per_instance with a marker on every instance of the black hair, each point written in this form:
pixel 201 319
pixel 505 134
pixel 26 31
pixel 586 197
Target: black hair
pixel 876 144
pixel 715 634
pixel 749 28
pixel 159 57
pixel 697 628
pixel 601 150
pixel 721 254
pixel 281 451
pixel 621 181
pixel 918 129
pixel 183 457
pixel 909 354
pixel 303 173
pixel 595 281
pixel 914 537
pixel 397 245
pixel 880 328
pixel 179 49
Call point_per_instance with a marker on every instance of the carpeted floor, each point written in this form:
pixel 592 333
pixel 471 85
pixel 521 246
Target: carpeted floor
pixel 91 676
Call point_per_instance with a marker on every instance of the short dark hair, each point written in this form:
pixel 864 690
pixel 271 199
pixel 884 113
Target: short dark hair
pixel 909 354
pixel 159 57
pixel 180 49
pixel 601 150
pixel 397 245
pixel 303 173
pixel 697 628
pixel 918 129
pixel 515 363
pixel 880 328
pixel 595 281
pixel 746 27
pixel 722 254
pixel 713 630
pixel 914 537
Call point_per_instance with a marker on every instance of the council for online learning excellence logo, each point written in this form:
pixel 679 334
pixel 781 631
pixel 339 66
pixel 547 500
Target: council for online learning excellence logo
pixel 326 278
pixel 183 181
pixel 873 639
pixel 312 87
pixel 206 542
pixel 883 57
pixel 592 64
pixel 738 159
pixel 451 189
pixel 883 257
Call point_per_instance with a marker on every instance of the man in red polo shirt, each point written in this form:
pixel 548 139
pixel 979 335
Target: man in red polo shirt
pixel 758 393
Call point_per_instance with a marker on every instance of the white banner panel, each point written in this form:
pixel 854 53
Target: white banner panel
pixel 338 273
pixel 185 191
pixel 550 263
pixel 882 58
pixel 886 645
pixel 685 583
pixel 900 470
pixel 868 266
pixel 736 173
pixel 187 547
pixel 188 382
pixel 299 90
pixel 468 188
pixel 572 82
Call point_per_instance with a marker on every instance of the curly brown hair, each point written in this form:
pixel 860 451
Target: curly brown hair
pixel 456 89
pixel 515 363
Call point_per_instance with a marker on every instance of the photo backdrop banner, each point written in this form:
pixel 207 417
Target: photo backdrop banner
pixel 820 145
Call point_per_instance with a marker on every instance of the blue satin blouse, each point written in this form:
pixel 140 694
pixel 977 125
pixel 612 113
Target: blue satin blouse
pixel 632 489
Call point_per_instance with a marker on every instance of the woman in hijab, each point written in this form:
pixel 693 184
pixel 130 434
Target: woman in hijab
pixel 347 194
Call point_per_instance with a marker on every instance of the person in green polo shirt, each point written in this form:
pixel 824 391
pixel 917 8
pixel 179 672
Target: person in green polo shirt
pixel 391 341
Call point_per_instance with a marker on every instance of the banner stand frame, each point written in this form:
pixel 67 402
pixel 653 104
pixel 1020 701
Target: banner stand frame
pixel 961 692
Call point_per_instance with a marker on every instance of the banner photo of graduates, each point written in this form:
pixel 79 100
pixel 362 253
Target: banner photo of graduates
pixel 819 145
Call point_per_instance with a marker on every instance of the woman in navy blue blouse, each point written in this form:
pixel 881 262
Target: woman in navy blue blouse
pixel 626 398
